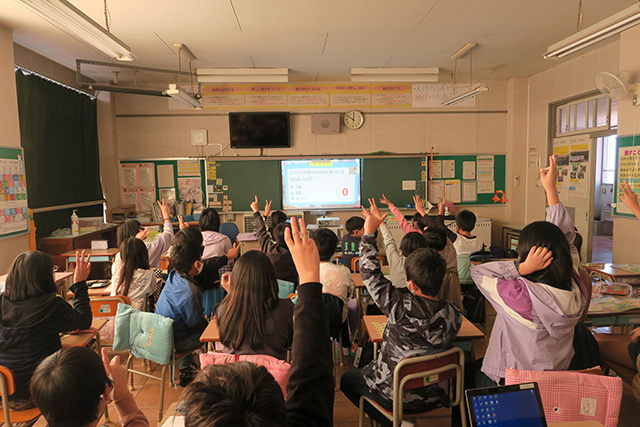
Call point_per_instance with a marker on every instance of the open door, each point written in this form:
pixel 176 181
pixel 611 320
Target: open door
pixel 576 178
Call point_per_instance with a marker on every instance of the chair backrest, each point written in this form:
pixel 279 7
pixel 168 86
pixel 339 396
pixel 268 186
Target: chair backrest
pixel 6 376
pixel 107 306
pixel 574 396
pixel 285 288
pixel 464 272
pixel 355 265
pixel 230 229
pixel 146 335
pixel 421 371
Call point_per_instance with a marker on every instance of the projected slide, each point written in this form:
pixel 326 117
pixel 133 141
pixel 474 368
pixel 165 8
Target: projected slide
pixel 321 183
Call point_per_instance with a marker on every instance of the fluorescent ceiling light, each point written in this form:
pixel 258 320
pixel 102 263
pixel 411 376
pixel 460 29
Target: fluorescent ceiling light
pixel 240 75
pixel 481 88
pixel 604 29
pixel 183 97
pixel 404 74
pixel 72 21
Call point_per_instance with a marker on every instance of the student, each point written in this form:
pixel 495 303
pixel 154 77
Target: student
pixel 32 316
pixel 181 299
pixel 538 301
pixel 336 280
pixel 132 228
pixel 418 324
pixel 136 279
pixel 450 290
pixel 275 249
pixel 215 243
pixel 252 319
pixel 215 395
pixel 72 387
pixel 277 217
pixel 351 240
pixel 417 225
pixel 409 243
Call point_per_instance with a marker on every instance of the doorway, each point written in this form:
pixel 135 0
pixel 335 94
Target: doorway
pixel 602 246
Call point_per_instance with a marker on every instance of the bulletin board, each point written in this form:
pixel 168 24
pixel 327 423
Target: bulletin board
pixel 232 184
pixel 142 182
pixel 475 179
pixel 14 214
pixel 398 178
pixel 627 168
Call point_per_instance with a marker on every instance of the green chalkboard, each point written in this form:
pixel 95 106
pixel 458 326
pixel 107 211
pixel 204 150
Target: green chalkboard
pixel 499 175
pixel 385 175
pixel 235 182
pixel 627 168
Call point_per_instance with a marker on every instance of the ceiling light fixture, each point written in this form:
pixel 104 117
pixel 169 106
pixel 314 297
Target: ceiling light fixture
pixel 243 75
pixel 481 88
pixel 404 74
pixel 614 24
pixel 74 22
pixel 183 97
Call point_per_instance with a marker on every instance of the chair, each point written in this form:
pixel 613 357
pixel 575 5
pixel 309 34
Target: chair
pixel 574 396
pixel 230 229
pixel 464 272
pixel 147 336
pixel 9 416
pixel 415 372
pixel 355 263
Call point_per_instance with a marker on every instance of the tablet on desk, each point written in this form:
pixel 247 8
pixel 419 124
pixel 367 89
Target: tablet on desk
pixel 98 284
pixel 517 405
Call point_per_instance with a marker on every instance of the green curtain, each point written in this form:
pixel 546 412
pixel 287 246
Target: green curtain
pixel 59 135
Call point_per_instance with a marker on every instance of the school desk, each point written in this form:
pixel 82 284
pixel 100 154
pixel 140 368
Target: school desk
pixel 106 256
pixel 211 334
pixel 620 321
pixel 375 325
pixel 95 292
pixel 612 274
pixel 84 337
pixel 55 246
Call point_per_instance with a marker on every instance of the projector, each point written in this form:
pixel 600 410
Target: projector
pixel 326 221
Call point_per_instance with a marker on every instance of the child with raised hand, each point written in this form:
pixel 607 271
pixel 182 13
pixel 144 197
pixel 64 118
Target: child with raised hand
pixel 215 395
pixel 132 228
pixel 419 324
pixel 275 249
pixel 538 300
pixel 629 198
pixel 409 243
pixel 32 316
pixel 417 225
pixel 136 279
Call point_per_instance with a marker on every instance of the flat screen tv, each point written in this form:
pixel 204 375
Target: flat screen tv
pixel 321 184
pixel 259 130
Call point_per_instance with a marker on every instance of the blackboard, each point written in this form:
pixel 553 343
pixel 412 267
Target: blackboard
pixel 236 182
pixel 385 175
pixel 499 176
pixel 14 215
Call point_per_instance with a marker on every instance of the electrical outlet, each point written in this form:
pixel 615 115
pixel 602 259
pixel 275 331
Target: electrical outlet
pixel 516 181
pixel 199 137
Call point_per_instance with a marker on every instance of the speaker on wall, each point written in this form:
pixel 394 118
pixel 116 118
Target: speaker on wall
pixel 325 123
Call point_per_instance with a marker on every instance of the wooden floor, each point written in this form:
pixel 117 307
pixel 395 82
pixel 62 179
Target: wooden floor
pixel 345 414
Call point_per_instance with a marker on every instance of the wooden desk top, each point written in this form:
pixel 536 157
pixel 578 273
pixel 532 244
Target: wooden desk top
pixel 106 227
pixel 84 337
pixel 609 270
pixel 58 276
pixel 468 330
pixel 211 333
pixel 94 252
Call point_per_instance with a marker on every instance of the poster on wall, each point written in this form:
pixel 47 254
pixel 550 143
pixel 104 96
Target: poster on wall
pixel 14 215
pixel 629 170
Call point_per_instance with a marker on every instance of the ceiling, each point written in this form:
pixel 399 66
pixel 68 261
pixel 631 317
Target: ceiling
pixel 319 40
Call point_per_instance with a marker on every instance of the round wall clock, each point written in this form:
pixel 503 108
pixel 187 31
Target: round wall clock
pixel 353 119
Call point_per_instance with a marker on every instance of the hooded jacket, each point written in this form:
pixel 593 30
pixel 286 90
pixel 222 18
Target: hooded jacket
pixel 416 326
pixel 30 331
pixel 215 244
pixel 534 322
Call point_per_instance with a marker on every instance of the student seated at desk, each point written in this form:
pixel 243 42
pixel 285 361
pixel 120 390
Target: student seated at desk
pixel 275 248
pixel 538 301
pixel 217 393
pixel 215 243
pixel 450 290
pixel 252 319
pixel 132 228
pixel 419 324
pixel 32 316
pixel 135 279
pixel 72 387
pixel 351 240
pixel 417 224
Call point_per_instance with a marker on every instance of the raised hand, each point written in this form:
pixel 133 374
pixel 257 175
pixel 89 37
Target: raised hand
pixel 267 208
pixel 233 252
pixel 374 209
pixel 549 180
pixel 385 201
pixel 143 233
pixel 537 259
pixel 181 223
pixel 628 197
pixel 225 282
pixel 164 209
pixel 372 222
pixel 83 267
pixel 118 373
pixel 417 201
pixel 303 251
pixel 254 205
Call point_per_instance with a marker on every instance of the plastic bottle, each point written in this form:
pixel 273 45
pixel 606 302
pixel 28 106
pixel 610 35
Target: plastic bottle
pixel 75 224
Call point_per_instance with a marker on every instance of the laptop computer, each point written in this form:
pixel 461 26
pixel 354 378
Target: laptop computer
pixel 516 405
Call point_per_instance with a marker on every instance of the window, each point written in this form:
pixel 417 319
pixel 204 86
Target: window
pixel 609 159
pixel 585 115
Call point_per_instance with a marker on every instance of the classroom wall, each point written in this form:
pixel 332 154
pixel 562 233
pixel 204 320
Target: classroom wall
pixel 570 79
pixel 10 131
pixel 147 128
pixel 108 148
pixel 626 231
